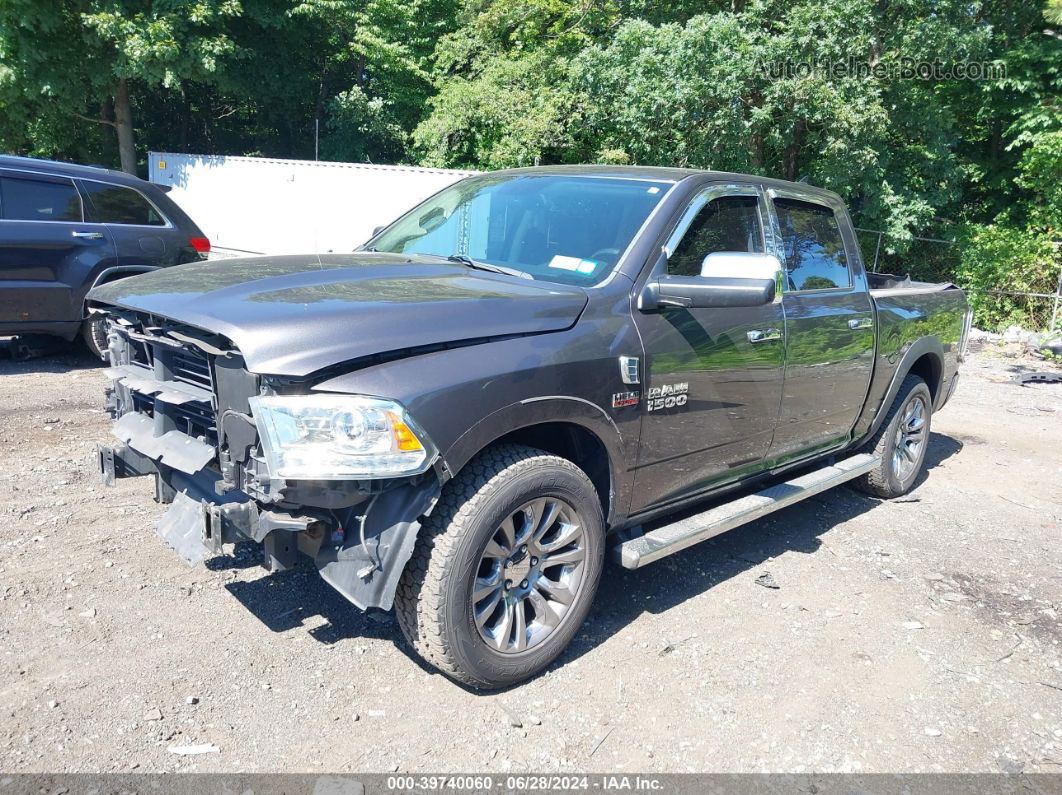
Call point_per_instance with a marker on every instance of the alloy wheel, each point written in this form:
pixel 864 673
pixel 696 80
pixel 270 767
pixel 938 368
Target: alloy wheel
pixel 529 575
pixel 910 438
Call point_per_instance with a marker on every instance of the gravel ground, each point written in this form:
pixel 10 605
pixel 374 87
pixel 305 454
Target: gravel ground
pixel 920 634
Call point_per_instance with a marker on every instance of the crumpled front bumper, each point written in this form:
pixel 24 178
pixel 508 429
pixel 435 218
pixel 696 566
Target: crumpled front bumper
pixel 200 521
pixel 363 561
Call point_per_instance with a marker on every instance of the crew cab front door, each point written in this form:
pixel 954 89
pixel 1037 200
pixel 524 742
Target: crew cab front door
pixel 712 379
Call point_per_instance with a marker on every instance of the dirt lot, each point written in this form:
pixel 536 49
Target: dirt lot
pixel 917 635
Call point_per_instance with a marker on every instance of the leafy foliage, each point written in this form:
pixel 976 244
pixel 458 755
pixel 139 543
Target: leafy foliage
pixel 999 259
pixel 499 118
pixel 76 58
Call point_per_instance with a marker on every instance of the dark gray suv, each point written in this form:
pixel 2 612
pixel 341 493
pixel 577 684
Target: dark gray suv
pixel 66 228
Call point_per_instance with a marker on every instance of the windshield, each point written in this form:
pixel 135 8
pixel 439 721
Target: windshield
pixel 569 229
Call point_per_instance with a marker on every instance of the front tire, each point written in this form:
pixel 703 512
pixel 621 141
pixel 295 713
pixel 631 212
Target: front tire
pixel 505 569
pixel 900 443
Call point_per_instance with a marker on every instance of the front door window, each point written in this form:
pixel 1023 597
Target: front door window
pixel 726 223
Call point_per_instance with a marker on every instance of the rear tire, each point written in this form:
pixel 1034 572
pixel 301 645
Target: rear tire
pixel 900 443
pixel 505 569
pixel 94 334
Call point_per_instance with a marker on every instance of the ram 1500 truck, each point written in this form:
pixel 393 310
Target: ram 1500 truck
pixel 530 365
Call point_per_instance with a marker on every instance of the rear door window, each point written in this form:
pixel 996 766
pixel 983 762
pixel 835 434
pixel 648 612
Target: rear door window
pixel 727 223
pixel 114 204
pixel 39 200
pixel 812 248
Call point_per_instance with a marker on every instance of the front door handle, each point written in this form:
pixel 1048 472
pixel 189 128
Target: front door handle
pixel 87 235
pixel 860 322
pixel 763 335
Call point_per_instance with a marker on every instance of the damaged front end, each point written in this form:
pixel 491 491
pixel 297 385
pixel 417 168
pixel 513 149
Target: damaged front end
pixel 343 480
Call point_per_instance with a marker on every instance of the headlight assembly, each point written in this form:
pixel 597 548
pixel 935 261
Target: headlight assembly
pixel 339 437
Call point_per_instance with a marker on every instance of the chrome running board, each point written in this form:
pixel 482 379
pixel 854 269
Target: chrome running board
pixel 662 541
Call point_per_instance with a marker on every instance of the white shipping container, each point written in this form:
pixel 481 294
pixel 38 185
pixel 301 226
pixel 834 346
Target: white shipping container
pixel 258 205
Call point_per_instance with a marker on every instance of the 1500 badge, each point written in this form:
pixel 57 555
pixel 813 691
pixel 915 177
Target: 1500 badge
pixel 668 396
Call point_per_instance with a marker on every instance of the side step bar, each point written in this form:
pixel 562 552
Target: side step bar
pixel 663 541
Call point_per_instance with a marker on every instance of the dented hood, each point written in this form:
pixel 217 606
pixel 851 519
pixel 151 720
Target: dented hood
pixel 294 315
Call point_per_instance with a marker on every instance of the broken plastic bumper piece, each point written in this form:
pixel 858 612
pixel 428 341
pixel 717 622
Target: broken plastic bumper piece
pixel 364 566
pixel 199 522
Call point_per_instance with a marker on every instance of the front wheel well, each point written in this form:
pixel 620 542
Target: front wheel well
pixel 125 271
pixel 573 442
pixel 113 274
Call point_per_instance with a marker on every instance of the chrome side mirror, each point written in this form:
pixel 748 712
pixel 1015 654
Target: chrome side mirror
pixel 741 265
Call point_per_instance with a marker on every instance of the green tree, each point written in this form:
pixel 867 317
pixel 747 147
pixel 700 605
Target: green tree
pixel 382 49
pixel 502 117
pixel 504 95
pixel 1041 174
pixel 78 57
pixel 1011 140
pixel 560 81
pixel 999 260
pixel 497 83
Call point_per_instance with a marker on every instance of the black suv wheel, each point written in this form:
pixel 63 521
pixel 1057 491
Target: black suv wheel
pixel 505 569
pixel 94 334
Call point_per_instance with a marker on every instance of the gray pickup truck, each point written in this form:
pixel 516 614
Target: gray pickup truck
pixel 527 368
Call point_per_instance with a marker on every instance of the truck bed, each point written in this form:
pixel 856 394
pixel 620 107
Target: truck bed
pixel 908 310
pixel 883 283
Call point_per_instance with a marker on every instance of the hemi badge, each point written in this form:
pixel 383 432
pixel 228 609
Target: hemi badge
pixel 629 369
pixel 621 399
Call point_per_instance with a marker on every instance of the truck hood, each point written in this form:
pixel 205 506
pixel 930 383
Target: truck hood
pixel 295 315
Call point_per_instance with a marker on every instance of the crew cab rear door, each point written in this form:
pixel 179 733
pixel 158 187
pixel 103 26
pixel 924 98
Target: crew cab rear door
pixel 48 252
pixel 829 344
pixel 713 376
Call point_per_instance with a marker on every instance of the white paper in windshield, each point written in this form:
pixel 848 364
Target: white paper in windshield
pixel 576 264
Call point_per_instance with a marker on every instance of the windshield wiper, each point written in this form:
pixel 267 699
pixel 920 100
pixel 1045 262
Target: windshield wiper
pixel 487 266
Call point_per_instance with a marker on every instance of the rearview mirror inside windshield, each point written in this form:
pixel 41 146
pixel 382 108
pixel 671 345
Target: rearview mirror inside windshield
pixel 432 220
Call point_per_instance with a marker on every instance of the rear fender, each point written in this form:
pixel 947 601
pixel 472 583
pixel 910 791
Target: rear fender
pixel 918 349
pixel 113 274
pixel 120 272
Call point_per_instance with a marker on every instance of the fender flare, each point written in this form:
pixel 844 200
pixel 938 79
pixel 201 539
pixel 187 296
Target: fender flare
pixel 916 351
pixel 546 409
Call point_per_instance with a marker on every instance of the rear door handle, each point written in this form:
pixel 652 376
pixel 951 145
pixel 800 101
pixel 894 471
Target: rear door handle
pixel 87 235
pixel 860 322
pixel 763 335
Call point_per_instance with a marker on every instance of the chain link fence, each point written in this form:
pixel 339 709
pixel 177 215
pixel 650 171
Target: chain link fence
pixel 934 259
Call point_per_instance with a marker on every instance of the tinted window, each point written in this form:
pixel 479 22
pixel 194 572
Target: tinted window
pixel 813 252
pixel 37 200
pixel 729 223
pixel 116 205
pixel 568 229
